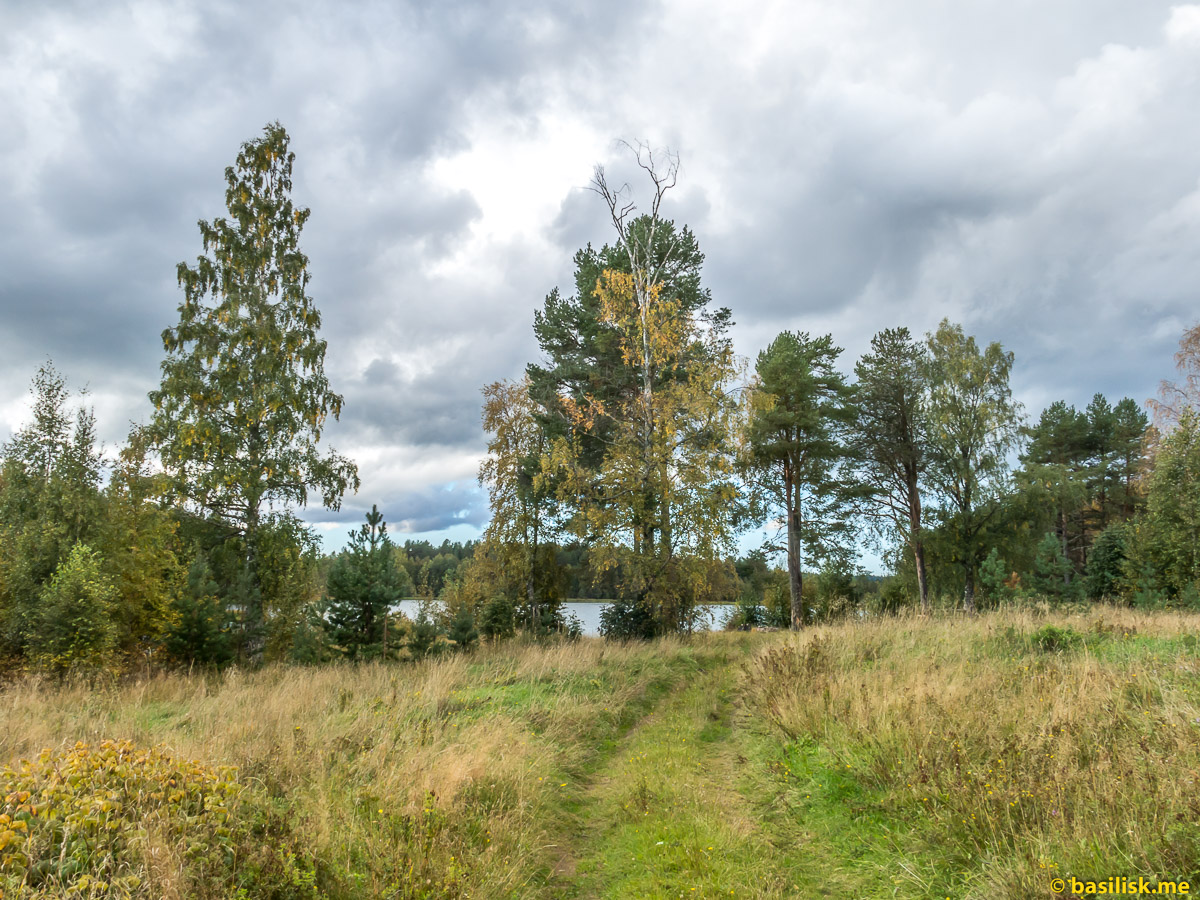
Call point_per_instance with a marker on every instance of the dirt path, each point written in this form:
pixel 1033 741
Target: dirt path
pixel 663 816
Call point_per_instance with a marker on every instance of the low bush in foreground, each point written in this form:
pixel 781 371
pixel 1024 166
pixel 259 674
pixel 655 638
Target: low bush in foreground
pixel 120 820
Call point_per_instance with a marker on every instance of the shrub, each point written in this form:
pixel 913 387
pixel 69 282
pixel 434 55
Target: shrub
pixel 746 615
pixel 199 632
pixel 423 638
pixel 892 596
pixel 310 641
pixel 626 619
pixel 74 629
pixel 122 821
pixel 463 631
pixel 1051 638
pixel 496 619
pixel 1052 571
pixel 1106 563
pixel 573 627
pixel 837 592
pixel 1146 591
pixel 994 576
pixel 777 602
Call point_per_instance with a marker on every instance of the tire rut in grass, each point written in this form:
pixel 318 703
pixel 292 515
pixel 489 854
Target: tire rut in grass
pixel 664 816
pixel 593 776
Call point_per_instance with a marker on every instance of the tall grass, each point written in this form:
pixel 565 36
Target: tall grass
pixel 1006 748
pixel 437 779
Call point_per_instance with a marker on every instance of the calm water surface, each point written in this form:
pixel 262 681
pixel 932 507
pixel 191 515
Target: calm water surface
pixel 589 613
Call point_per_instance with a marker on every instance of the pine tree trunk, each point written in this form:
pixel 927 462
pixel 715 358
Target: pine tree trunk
pixel 1066 555
pixel 795 575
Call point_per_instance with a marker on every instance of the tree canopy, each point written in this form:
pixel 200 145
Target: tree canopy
pixel 244 396
pixel 799 407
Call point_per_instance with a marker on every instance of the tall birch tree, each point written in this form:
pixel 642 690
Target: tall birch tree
pixel 974 424
pixel 244 397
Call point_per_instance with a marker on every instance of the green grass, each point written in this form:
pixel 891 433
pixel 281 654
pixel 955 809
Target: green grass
pixel 664 816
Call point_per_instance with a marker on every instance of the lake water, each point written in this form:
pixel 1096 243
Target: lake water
pixel 711 617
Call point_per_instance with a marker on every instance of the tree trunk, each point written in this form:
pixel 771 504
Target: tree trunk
pixel 253 624
pixel 664 498
pixel 922 579
pixel 969 590
pixel 966 536
pixel 255 614
pixel 1062 517
pixel 914 525
pixel 795 575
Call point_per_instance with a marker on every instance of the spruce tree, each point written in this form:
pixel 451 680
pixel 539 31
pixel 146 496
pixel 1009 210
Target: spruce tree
pixel 364 584
pixel 1052 570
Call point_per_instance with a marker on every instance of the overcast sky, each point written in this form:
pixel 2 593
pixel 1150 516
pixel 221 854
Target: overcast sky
pixel 1028 169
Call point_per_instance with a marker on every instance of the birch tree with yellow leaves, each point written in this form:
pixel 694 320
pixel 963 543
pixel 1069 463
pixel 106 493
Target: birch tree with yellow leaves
pixel 522 528
pixel 664 502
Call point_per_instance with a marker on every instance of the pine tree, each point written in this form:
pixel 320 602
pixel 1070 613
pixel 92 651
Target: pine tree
pixel 890 437
pixel 364 584
pixel 800 406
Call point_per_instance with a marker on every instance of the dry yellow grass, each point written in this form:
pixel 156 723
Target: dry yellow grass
pixel 890 757
pixel 403 780
pixel 1010 760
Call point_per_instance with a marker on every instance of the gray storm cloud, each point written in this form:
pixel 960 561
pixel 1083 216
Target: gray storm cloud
pixel 1025 168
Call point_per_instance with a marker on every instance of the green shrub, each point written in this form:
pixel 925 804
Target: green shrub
pixel 1051 638
pixel 496 620
pixel 74 627
pixel 624 620
pixel 777 600
pixel 892 596
pixel 746 615
pixel 572 627
pixel 994 577
pixel 1106 563
pixel 123 821
pixel 199 632
pixel 463 631
pixel 422 640
pixel 1052 574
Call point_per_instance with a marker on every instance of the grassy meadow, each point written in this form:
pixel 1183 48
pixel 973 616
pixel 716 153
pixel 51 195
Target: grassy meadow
pixel 892 757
